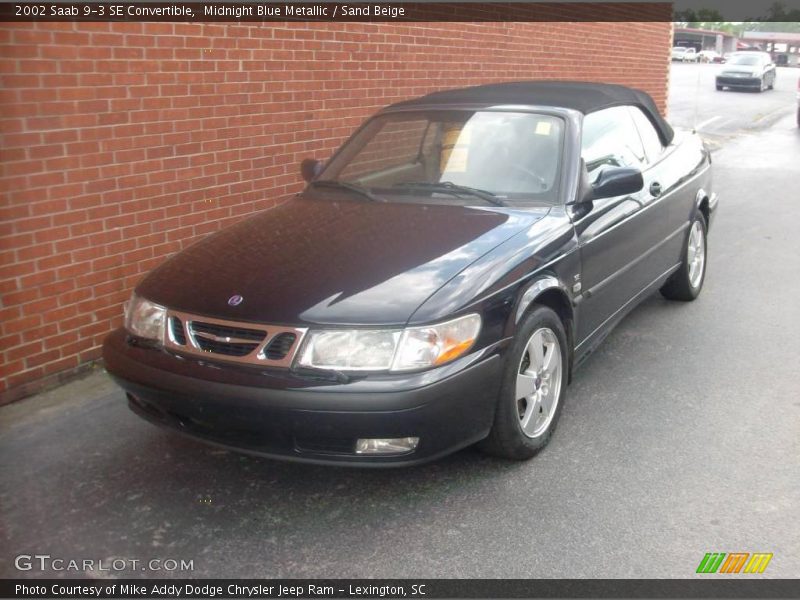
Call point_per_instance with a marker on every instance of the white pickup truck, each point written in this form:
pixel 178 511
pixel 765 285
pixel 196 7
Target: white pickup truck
pixel 684 54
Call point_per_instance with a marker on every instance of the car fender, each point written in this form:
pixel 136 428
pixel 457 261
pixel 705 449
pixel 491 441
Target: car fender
pixel 699 197
pixel 533 290
pixel 548 283
pixel 710 199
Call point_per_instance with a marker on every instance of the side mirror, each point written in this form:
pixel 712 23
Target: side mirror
pixel 310 168
pixel 615 181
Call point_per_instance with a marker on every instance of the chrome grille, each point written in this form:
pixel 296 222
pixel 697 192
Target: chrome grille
pixel 251 343
pixel 215 330
pixel 226 348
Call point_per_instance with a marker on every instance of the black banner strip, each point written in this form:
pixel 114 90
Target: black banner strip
pixel 714 586
pixel 684 11
pixel 267 11
pixel 270 11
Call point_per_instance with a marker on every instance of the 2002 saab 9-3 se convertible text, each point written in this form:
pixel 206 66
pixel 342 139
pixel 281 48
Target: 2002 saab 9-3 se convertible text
pixel 435 284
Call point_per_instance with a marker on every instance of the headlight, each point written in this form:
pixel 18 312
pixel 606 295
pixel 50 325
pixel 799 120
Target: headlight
pixel 433 345
pixel 350 350
pixel 390 349
pixel 145 319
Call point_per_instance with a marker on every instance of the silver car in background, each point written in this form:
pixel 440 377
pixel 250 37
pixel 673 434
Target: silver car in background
pixel 750 70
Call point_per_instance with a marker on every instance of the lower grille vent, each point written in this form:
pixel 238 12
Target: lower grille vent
pixel 226 348
pixel 279 346
pixel 325 445
pixel 178 334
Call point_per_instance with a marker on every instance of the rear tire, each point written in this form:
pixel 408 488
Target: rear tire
pixel 533 389
pixel 719 88
pixel 687 282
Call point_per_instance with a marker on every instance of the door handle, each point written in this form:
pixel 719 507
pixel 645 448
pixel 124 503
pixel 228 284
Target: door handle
pixel 655 189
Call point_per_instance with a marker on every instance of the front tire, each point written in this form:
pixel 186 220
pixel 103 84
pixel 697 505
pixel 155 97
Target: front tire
pixel 533 389
pixel 687 282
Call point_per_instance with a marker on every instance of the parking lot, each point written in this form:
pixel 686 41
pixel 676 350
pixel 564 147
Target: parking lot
pixel 695 102
pixel 680 435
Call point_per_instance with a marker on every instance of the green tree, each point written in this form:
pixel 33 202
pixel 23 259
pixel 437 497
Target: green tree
pixel 781 26
pixel 696 18
pixel 777 18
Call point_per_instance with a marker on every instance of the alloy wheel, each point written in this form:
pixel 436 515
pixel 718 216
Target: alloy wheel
pixel 539 382
pixel 696 254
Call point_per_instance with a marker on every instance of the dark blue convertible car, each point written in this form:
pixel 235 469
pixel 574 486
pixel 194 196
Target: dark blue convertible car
pixel 434 286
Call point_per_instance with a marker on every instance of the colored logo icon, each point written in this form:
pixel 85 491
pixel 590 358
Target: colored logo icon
pixel 736 562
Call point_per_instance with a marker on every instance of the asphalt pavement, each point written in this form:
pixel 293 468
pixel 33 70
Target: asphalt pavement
pixel 680 436
pixel 695 103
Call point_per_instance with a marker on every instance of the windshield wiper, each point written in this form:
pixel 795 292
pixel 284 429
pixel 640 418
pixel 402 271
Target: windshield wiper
pixel 448 187
pixel 343 185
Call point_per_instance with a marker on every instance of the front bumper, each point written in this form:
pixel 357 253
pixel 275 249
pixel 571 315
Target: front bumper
pixel 741 82
pixel 281 415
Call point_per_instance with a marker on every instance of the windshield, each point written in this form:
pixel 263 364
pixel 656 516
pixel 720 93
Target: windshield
pixel 743 59
pixel 454 156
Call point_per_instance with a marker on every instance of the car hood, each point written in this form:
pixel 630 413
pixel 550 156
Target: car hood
pixel 319 261
pixel 741 69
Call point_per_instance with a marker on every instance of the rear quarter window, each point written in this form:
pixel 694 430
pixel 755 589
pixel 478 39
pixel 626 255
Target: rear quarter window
pixel 652 143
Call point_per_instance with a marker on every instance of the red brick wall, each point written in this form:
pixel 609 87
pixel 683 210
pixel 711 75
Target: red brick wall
pixel 123 142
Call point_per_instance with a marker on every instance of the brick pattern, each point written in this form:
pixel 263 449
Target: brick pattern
pixel 121 143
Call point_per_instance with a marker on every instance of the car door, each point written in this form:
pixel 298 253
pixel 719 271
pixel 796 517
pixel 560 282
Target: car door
pixel 666 203
pixel 610 237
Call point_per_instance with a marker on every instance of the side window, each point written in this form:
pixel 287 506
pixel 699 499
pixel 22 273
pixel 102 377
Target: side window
pixel 652 143
pixel 610 138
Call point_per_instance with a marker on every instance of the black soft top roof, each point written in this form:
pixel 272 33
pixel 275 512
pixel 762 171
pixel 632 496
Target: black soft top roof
pixel 580 96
